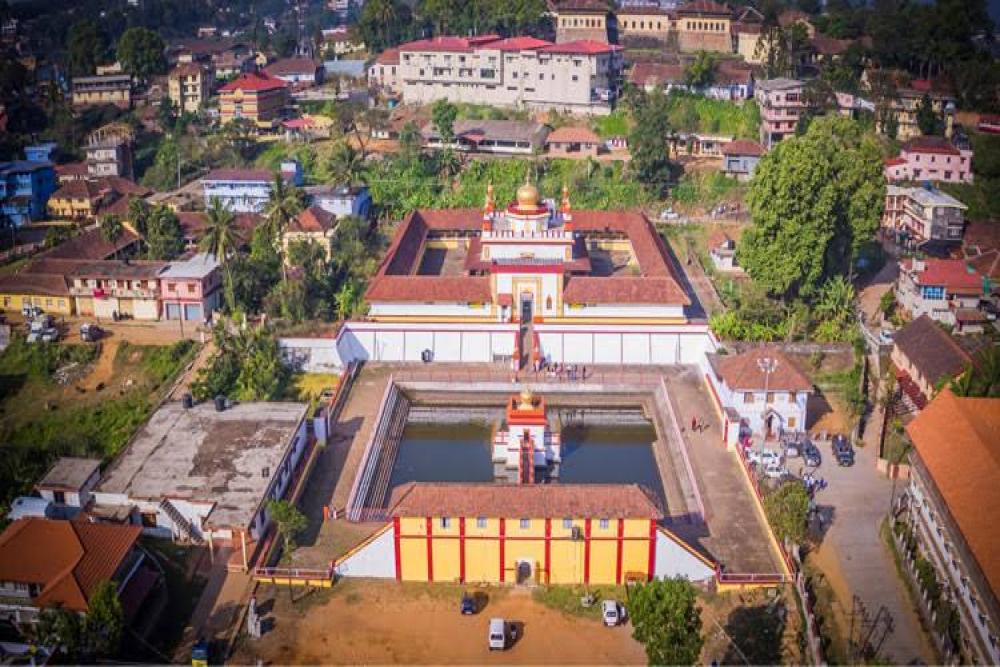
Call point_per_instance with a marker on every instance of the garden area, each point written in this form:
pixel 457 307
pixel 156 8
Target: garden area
pixel 48 409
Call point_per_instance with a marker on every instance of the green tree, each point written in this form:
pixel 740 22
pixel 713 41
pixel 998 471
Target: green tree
pixel 666 621
pixel 443 115
pixel 141 53
pixel 982 377
pixel 347 299
pixel 111 229
pixel 927 119
pixel 835 309
pixel 164 236
pixel 814 201
pixel 138 215
pixel 220 240
pixel 787 509
pixel 56 235
pixel 648 142
pixel 262 373
pixel 347 164
pixel 88 47
pixel 700 72
pixel 309 256
pixel 283 204
pixel 383 23
pixel 79 638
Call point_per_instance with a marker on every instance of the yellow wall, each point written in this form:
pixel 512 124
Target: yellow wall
pixel 62 305
pixel 482 546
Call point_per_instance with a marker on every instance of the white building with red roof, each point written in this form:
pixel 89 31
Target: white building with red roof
pixel 530 281
pixel 578 76
pixel 931 159
pixel 947 290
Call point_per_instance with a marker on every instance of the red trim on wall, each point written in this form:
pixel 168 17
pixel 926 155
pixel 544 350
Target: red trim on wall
pixel 621 544
pixel 652 550
pixel 586 551
pixel 502 539
pixel 548 549
pixel 399 562
pixel 430 551
pixel 461 549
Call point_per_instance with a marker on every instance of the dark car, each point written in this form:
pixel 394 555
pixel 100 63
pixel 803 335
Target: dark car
pixel 843 451
pixel 811 455
pixel 468 604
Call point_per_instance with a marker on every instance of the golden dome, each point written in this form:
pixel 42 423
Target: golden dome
pixel 527 400
pixel 527 196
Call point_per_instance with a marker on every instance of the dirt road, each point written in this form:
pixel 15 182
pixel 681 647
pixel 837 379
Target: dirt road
pixel 373 622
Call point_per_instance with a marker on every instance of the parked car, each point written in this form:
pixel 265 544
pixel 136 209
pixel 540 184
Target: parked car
pixel 763 457
pixel 31 312
pixel 42 329
pixel 90 333
pixel 774 470
pixel 843 451
pixel 669 214
pixel 468 604
pixel 885 337
pixel 810 453
pixel 613 613
pixel 792 450
pixel 498 634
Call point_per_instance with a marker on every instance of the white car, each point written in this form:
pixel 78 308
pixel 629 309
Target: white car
pixel 774 471
pixel 763 458
pixel 669 214
pixel 612 613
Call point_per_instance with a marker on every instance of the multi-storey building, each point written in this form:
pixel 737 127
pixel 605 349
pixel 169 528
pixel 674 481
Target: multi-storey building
pixel 190 85
pixel 649 22
pixel 947 290
pixel 947 508
pixel 584 19
pixel 246 190
pixel 111 289
pixel 384 72
pixel 904 108
pixel 780 102
pixel 581 76
pixel 747 28
pixel 109 151
pixel 932 158
pixel 703 25
pixel 917 215
pixel 25 187
pixel 191 289
pixel 111 89
pixel 256 96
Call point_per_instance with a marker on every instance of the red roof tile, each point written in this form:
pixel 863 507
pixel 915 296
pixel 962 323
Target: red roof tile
pixel 742 372
pixel 703 8
pixel 462 289
pixel 583 47
pixel 930 144
pixel 449 43
pixel 66 559
pixel 573 135
pixel 292 66
pixel 930 350
pixel 743 147
pixel 388 57
pixel 313 220
pixel 656 74
pixel 533 501
pixel 524 43
pixel 952 274
pixel 253 81
pixel 606 290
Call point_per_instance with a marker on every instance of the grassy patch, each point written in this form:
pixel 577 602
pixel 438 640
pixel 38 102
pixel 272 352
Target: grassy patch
pixel 308 386
pixel 694 113
pixel 567 599
pixel 617 124
pixel 708 188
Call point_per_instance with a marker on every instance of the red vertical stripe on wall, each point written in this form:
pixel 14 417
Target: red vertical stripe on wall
pixel 621 545
pixel 501 550
pixel 586 551
pixel 652 550
pixel 461 549
pixel 430 551
pixel 399 555
pixel 548 550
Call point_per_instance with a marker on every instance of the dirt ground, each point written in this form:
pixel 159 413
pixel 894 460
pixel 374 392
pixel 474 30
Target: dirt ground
pixel 375 622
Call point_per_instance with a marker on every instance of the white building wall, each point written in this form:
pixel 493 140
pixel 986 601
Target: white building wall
pixel 388 341
pixel 408 309
pixel 673 560
pixel 625 344
pixel 377 558
pixel 622 310
pixel 312 355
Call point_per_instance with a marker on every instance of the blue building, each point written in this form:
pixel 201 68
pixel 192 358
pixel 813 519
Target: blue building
pixel 246 190
pixel 343 200
pixel 25 186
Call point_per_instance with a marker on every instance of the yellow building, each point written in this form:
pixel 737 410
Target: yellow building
pixel 189 86
pixel 312 224
pixel 108 89
pixel 644 21
pixel 255 96
pixel 48 291
pixel 582 19
pixel 79 200
pixel 524 534
pixel 704 25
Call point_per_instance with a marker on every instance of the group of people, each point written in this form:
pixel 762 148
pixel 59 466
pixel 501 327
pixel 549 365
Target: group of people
pixel 698 424
pixel 560 371
pixel 813 484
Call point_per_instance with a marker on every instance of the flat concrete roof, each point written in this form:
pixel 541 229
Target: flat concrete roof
pixel 69 473
pixel 228 458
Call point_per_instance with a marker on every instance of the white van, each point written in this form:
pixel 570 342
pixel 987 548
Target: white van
pixel 612 613
pixel 498 634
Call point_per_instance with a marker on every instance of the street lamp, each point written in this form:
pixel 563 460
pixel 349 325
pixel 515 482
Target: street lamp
pixel 767 365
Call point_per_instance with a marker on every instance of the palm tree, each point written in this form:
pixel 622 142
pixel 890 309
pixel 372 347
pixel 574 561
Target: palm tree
pixel 836 300
pixel 138 215
pixel 111 230
pixel 284 203
pixel 347 164
pixel 220 241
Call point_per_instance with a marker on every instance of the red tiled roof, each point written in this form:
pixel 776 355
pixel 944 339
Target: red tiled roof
pixel 123 186
pixel 239 175
pixel 254 81
pixel 742 371
pixel 313 220
pixel 656 74
pixel 606 290
pixel 952 274
pixel 930 144
pixel 643 11
pixel 743 147
pixel 533 501
pixel 583 47
pixel 830 46
pixel 388 57
pixel 89 245
pixel 66 559
pixel 449 43
pixel 78 189
pixel 524 43
pixel 188 69
pixel 589 6
pixel 704 7
pixel 72 169
pixel 930 350
pixel 38 284
pixel 894 161
pixel 956 440
pixel 747 28
pixel 733 72
pixel 291 66
pixel 573 135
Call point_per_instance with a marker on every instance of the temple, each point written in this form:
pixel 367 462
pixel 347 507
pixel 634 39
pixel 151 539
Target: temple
pixel 527 282
pixel 525 449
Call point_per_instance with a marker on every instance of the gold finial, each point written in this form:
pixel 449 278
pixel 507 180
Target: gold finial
pixel 527 196
pixel 527 400
pixel 565 199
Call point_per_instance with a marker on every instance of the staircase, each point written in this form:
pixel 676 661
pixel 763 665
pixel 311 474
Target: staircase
pixel 184 526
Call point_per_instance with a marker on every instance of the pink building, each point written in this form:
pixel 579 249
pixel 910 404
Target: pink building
pixel 931 159
pixel 780 102
pixel 190 289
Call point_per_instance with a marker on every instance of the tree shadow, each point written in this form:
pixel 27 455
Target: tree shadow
pixel 756 634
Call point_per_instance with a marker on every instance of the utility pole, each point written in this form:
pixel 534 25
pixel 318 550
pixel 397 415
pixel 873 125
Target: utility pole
pixel 767 365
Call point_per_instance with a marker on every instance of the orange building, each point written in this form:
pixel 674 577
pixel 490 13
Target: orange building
pixel 256 96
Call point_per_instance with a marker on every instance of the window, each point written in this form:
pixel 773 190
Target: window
pixel 525 524
pixel 791 422
pixel 59 497
pixel 770 397
pixel 190 288
pixel 567 523
pixel 576 78
pixel 748 397
pixel 149 520
pixel 604 524
pixel 480 522
pixel 445 522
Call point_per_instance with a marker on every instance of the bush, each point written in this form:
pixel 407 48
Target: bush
pixel 694 113
pixel 40 360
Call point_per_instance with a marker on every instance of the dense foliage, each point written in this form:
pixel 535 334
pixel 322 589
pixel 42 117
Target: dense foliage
pixel 648 141
pixel 85 638
pixel 666 621
pixel 688 112
pixel 815 201
pixel 247 366
pixel 787 509
pixel 141 53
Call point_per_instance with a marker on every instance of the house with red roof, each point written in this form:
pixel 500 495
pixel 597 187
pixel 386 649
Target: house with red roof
pixel 949 291
pixel 384 72
pixel 931 158
pixel 256 96
pixel 578 76
pixel 732 80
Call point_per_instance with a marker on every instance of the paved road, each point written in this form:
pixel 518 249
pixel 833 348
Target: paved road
pixel 856 561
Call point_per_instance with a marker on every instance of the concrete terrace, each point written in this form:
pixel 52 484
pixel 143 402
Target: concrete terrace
pixel 202 455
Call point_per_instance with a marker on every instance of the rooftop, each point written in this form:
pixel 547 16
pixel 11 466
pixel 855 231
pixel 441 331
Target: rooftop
pixel 66 559
pixel 931 349
pixel 579 501
pixel 228 458
pixel 313 220
pixel 122 270
pixel 69 473
pixel 743 147
pixel 930 144
pixel 254 81
pixel 768 85
pixel 704 8
pixel 498 130
pixel 292 66
pixel 742 371
pixel 246 175
pixel 198 266
pixel 573 134
pixel 955 438
pixel 91 244
pixel 954 274
pixel 930 196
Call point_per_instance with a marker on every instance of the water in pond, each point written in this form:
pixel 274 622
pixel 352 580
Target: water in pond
pixel 592 454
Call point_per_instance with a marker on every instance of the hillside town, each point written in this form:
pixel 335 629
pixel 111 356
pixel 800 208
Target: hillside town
pixel 547 332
